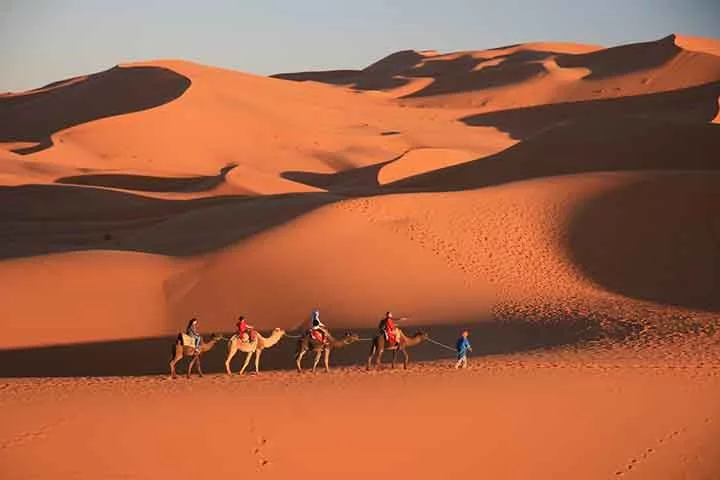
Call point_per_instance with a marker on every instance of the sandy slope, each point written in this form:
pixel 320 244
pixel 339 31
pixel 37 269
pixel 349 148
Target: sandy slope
pixel 541 194
pixel 507 418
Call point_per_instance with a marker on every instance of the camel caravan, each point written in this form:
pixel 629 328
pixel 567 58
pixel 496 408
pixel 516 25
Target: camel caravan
pixel 317 339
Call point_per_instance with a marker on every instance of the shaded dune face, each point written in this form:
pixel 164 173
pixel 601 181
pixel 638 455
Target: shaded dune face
pixel 147 183
pixel 624 59
pixel 698 104
pixel 583 147
pixel 654 238
pixel 43 219
pixel 36 116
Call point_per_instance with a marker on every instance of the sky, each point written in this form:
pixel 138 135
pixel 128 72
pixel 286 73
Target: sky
pixel 42 41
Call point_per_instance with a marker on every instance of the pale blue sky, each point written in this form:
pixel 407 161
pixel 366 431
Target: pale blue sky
pixel 42 41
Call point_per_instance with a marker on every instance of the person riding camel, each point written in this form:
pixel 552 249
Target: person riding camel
pixel 388 328
pixel 246 333
pixel 318 330
pixel 191 331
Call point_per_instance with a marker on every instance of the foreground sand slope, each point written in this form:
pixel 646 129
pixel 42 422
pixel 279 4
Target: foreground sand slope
pixel 509 418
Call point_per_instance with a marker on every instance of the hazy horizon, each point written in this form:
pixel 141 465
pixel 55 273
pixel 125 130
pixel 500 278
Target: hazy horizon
pixel 55 39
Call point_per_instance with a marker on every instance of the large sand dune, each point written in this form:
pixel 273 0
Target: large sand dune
pixel 360 201
pixel 542 194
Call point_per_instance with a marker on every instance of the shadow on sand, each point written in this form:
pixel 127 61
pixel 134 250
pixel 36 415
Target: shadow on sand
pixel 151 356
pixel 40 219
pixel 693 104
pixel 145 183
pixel 654 238
pixel 36 116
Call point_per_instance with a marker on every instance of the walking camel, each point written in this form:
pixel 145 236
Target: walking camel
pixel 402 343
pixel 307 343
pixel 181 350
pixel 256 346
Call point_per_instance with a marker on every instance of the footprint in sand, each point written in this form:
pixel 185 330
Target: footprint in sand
pixel 258 452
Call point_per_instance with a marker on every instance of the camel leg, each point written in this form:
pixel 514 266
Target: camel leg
pixel 327 360
pixel 174 361
pixel 394 357
pixel 231 353
pixel 378 361
pixel 298 360
pixel 246 363
pixel 199 366
pixel 370 358
pixel 407 358
pixel 258 352
pixel 191 365
pixel 317 359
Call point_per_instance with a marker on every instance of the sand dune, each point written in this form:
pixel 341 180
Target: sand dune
pixel 319 191
pixel 705 45
pixel 558 200
pixel 37 115
pixel 532 74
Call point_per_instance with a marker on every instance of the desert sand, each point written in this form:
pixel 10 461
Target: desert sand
pixel 559 200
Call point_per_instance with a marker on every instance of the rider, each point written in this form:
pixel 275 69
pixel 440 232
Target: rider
pixel 246 333
pixel 318 326
pixel 191 331
pixel 387 327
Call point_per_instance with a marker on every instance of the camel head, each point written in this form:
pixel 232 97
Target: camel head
pixel 217 336
pixel 350 337
pixel 422 335
pixel 278 331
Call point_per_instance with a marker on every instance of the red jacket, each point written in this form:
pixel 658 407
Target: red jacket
pixel 242 326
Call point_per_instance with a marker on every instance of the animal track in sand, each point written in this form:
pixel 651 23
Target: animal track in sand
pixel 27 437
pixel 649 451
pixel 259 451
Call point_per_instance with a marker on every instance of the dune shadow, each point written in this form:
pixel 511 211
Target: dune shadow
pixel 696 104
pixel 36 116
pixel 655 239
pixel 145 183
pixel 360 181
pixel 448 76
pixel 150 356
pixel 41 219
pixel 462 75
pixel 599 145
pixel 623 59
pixel 330 77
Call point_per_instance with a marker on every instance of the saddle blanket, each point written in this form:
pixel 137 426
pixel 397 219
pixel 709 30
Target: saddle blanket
pixel 187 340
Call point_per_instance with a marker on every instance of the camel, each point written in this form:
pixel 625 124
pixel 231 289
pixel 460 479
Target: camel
pixel 257 346
pixel 180 351
pixel 402 343
pixel 307 343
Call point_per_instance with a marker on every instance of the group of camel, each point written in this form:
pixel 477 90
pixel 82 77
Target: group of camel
pixel 306 343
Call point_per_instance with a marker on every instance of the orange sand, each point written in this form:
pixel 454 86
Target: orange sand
pixel 561 188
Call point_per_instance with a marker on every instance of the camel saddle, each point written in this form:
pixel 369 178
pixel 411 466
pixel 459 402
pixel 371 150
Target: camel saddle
pixel 391 337
pixel 317 335
pixel 247 337
pixel 187 340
